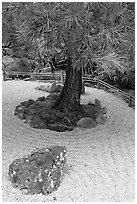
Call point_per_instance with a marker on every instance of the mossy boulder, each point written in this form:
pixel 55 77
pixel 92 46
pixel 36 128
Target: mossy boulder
pixel 40 171
pixel 86 123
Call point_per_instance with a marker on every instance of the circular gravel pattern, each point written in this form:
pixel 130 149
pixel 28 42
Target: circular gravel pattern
pixel 100 161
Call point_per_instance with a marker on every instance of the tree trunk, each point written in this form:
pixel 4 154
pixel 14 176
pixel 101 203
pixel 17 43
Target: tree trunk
pixel 69 99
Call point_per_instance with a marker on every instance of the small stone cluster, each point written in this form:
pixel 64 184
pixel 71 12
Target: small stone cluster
pixel 55 87
pixel 51 87
pixel 39 172
pixel 96 115
pixel 39 114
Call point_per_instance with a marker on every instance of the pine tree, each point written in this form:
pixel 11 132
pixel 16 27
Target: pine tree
pixel 84 33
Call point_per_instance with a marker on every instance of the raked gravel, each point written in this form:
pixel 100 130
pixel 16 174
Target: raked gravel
pixel 100 161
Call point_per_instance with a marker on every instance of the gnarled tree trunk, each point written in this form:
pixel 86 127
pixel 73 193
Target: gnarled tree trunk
pixel 69 99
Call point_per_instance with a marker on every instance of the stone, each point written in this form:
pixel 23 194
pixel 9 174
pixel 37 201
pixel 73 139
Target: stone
pixel 94 110
pixel 53 87
pixel 21 116
pixel 90 109
pixel 39 103
pixel 37 122
pixel 101 119
pixel 42 88
pixel 49 87
pixel 42 98
pixel 29 118
pixel 104 110
pixel 57 89
pixel 60 127
pixel 27 103
pixel 86 123
pixel 39 172
pixel 20 109
pixel 53 96
pixel 98 104
pixel 31 110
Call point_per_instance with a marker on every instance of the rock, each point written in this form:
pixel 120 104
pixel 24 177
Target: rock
pixel 104 110
pixel 53 87
pixel 15 112
pixel 101 119
pixel 21 116
pixel 90 109
pixel 42 98
pixel 98 104
pixel 53 96
pixel 49 87
pixel 37 122
pixel 40 171
pixel 98 108
pixel 57 89
pixel 29 118
pixel 42 88
pixel 30 110
pixel 27 103
pixel 20 109
pixel 39 103
pixel 59 127
pixel 86 123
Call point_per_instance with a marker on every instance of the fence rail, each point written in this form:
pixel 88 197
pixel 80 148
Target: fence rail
pixel 14 73
pixel 61 75
pixel 100 83
pixel 90 80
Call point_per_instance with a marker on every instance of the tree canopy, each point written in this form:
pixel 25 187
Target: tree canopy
pixel 82 32
pixel 100 32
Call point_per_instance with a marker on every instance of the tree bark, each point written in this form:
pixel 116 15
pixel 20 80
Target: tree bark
pixel 69 99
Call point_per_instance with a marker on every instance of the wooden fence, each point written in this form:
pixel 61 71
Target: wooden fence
pixel 61 76
pixel 101 84
pixel 33 75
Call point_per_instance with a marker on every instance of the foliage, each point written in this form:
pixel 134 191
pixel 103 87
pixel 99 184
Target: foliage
pixel 121 79
pixel 13 15
pixel 92 32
